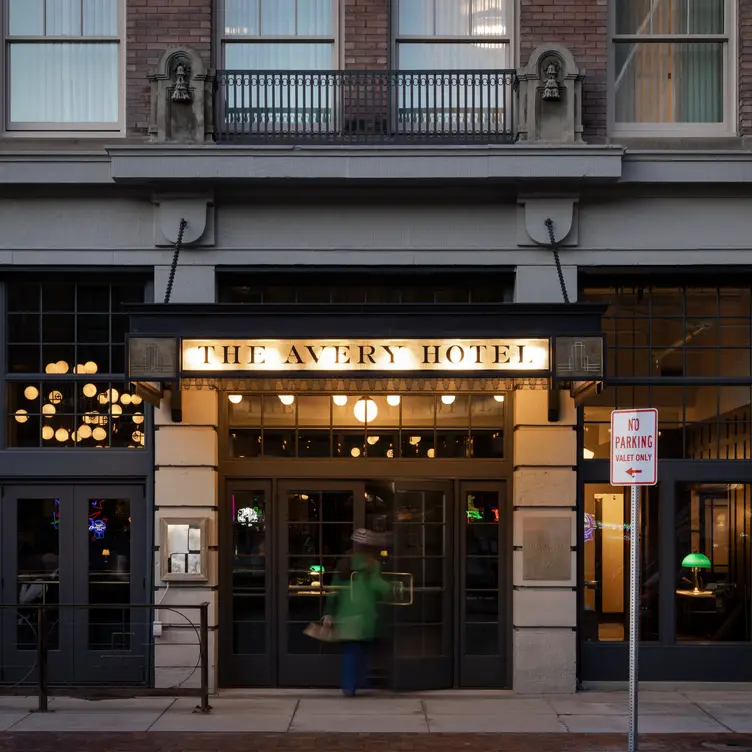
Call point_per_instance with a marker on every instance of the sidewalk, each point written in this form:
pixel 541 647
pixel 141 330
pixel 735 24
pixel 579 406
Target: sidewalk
pixel 706 712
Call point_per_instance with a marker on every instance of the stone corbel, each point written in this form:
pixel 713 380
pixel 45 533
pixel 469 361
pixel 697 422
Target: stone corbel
pixel 534 210
pixel 198 212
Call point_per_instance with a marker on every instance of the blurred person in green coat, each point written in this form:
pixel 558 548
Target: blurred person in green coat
pixel 352 608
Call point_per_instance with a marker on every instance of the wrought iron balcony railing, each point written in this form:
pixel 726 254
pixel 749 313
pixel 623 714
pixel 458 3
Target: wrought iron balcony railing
pixel 365 107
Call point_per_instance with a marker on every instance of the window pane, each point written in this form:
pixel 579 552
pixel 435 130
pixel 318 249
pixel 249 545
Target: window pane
pixel 73 83
pixel 416 17
pixel 26 17
pixel 606 572
pixel 315 17
pixel 241 17
pixel 37 579
pixel 452 17
pixel 109 557
pixel 669 83
pixel 278 17
pixel 670 17
pixel 712 560
pixel 491 18
pixel 279 56
pixel 100 18
pixel 451 56
pixel 63 18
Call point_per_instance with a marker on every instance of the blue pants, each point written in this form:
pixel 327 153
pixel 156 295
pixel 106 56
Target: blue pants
pixel 356 658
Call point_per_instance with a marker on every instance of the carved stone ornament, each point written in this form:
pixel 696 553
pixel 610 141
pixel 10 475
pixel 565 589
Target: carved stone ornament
pixel 551 89
pixel 551 75
pixel 181 98
pixel 181 92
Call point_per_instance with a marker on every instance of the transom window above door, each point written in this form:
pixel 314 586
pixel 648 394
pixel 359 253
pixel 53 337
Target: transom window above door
pixel 454 34
pixel 278 34
pixel 672 71
pixel 64 65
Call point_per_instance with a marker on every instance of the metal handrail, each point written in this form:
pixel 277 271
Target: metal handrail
pixel 351 106
pixel 42 653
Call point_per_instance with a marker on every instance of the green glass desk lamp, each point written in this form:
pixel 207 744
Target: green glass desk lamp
pixel 696 561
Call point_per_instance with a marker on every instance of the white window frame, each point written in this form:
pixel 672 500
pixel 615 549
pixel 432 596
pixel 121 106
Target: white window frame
pixel 222 39
pixel 510 38
pixel 63 130
pixel 728 126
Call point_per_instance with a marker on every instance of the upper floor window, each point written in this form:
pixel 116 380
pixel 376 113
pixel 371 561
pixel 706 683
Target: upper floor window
pixel 278 34
pixel 454 34
pixel 63 65
pixel 671 71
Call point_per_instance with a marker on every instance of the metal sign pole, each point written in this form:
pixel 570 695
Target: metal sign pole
pixel 634 612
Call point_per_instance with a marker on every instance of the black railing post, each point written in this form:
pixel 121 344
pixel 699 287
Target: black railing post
pixel 42 656
pixel 204 707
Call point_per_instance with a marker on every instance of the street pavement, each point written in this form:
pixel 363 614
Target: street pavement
pixel 705 720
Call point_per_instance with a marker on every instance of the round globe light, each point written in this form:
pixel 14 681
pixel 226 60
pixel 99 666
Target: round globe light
pixel 48 433
pixel 21 416
pixel 448 399
pixel 393 400
pixel 286 399
pixel 62 435
pixel 48 409
pixel 236 399
pixel 138 418
pixel 499 397
pixel 365 410
pixel 99 434
pixel 84 431
pixel 31 392
pixel 55 397
pixel 90 390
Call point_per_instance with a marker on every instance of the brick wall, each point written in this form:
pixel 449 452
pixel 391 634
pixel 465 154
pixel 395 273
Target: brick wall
pixel 151 27
pixel 366 26
pixel 582 27
pixel 745 67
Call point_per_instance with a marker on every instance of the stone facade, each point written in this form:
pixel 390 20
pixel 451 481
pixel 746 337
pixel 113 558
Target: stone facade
pixel 544 603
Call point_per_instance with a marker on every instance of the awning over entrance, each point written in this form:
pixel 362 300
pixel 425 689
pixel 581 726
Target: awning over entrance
pixel 473 346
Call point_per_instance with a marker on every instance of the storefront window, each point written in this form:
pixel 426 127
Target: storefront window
pixel 713 524
pixel 359 426
pixel 659 331
pixel 607 536
pixel 696 421
pixel 66 363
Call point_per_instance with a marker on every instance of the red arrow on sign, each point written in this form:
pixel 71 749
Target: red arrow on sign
pixel 632 472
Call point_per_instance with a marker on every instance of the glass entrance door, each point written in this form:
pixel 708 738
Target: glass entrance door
pixel 418 563
pixel 76 546
pixel 246 550
pixel 316 522
pixel 485 545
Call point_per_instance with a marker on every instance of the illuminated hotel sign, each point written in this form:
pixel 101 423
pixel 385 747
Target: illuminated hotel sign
pixel 211 356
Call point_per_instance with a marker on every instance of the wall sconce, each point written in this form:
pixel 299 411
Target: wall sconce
pixel 183 550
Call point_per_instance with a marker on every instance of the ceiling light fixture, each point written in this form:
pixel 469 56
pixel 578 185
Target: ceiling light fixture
pixel 365 410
